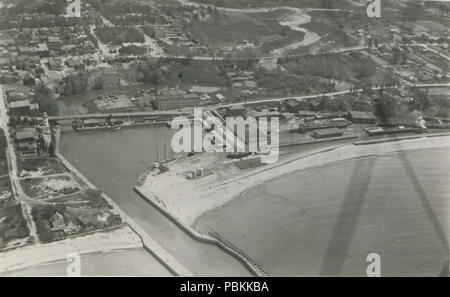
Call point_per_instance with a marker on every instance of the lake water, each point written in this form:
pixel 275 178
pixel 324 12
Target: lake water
pixel 327 220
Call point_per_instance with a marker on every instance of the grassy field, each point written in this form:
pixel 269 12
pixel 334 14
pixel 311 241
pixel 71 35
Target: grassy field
pixel 205 73
pixel 230 29
pixel 12 224
pixel 41 166
pixel 35 187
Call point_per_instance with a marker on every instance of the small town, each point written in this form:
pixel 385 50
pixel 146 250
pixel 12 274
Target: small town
pixel 338 82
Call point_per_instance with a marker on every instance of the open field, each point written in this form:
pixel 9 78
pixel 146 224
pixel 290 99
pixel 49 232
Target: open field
pixel 35 187
pixel 231 29
pixel 39 167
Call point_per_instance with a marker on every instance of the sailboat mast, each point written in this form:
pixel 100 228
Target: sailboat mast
pixel 157 153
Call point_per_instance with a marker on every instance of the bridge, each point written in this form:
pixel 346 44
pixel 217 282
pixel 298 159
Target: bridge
pixel 117 115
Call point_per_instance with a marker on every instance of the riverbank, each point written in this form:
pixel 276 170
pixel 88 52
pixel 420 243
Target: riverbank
pixel 33 255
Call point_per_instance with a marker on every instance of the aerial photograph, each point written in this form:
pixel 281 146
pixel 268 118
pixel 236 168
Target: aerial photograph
pixel 224 138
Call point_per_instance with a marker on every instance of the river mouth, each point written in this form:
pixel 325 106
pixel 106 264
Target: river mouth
pixel 316 223
pixel 113 161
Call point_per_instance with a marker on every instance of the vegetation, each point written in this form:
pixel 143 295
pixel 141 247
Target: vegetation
pixel 289 83
pixel 132 50
pixel 13 225
pixel 119 35
pixel 43 96
pixel 75 83
pixel 275 3
pixel 3 144
pixel 332 66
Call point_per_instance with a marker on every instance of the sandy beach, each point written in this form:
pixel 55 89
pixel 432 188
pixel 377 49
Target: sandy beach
pixel 189 199
pixel 119 239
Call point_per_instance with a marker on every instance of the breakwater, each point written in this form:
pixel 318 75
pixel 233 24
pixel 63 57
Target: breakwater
pixel 250 264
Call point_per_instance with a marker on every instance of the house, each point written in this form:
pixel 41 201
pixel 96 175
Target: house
pixel 14 96
pixel 29 80
pixel 87 222
pixel 5 63
pixel 362 117
pixel 27 148
pixel 55 64
pixel 40 49
pixel 26 142
pixel 71 229
pixel 54 43
pixel 293 106
pixel 177 102
pixel 362 106
pixel 57 222
pixel 75 63
pixel 220 97
pixel 20 106
pixel 315 104
pixel 26 135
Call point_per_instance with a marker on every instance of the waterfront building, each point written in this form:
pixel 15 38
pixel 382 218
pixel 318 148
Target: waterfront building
pixel 327 133
pixel 168 103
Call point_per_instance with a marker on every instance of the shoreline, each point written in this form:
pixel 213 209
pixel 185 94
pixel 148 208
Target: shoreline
pixel 241 184
pixel 251 265
pixel 39 254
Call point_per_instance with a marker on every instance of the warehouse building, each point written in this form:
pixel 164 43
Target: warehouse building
pixel 362 117
pixel 327 133
pixel 168 103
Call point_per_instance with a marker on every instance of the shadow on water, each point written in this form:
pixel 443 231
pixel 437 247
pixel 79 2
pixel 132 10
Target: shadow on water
pixel 345 225
pixel 427 207
pixel 347 218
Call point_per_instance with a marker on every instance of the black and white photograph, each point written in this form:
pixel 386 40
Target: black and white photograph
pixel 224 139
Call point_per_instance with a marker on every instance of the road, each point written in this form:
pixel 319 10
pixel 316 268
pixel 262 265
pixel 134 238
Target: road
pixel 12 164
pixel 426 46
pixel 331 94
pixel 248 102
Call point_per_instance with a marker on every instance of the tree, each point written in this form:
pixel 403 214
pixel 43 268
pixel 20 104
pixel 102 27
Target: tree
pixel 99 83
pixel 43 96
pixel 384 106
pixel 75 84
pixel 367 68
pixel 421 100
pixel 405 56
